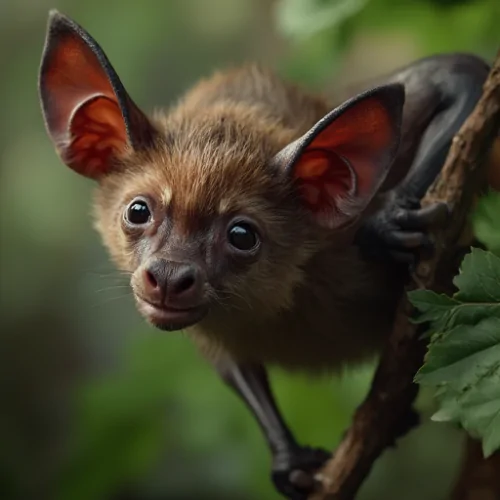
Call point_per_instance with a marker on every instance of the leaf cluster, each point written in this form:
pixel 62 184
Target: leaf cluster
pixel 463 358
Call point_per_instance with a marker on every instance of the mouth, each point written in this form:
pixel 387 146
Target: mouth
pixel 169 318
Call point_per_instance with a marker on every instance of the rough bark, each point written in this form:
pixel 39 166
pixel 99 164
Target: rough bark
pixel 377 422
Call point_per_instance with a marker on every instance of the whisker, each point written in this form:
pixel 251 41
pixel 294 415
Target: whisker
pixel 224 299
pixel 112 299
pixel 110 274
pixel 243 298
pixel 113 287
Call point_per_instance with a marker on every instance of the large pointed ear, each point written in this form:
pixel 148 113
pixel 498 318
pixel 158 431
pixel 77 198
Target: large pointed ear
pixel 88 114
pixel 339 165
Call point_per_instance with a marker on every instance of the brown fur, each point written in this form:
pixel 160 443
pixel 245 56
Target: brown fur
pixel 308 302
pixel 305 299
pixel 299 305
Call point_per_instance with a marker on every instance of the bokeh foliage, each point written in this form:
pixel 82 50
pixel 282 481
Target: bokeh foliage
pixel 95 402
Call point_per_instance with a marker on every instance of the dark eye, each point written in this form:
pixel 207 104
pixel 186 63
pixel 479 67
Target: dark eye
pixel 242 236
pixel 138 212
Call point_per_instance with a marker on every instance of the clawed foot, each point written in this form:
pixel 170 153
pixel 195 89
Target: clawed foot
pixel 400 231
pixel 293 471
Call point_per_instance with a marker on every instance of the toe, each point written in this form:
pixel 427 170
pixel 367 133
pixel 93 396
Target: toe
pixel 435 215
pixel 301 480
pixel 408 240
pixel 294 476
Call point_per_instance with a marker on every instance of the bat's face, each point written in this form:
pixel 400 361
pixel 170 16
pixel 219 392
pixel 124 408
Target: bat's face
pixel 205 221
pixel 214 207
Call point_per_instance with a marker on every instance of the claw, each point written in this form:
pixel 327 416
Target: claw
pixel 302 480
pixel 293 472
pixel 403 239
pixel 400 231
pixel 435 215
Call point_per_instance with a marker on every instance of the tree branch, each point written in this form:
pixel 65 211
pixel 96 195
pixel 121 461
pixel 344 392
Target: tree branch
pixel 377 421
pixel 479 478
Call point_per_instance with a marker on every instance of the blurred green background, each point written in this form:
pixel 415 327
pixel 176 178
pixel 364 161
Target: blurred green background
pixel 94 403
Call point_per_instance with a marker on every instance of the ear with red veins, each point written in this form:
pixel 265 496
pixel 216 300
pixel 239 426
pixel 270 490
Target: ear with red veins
pixel 89 116
pixel 339 165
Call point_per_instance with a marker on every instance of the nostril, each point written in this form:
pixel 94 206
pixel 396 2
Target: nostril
pixel 150 279
pixel 168 281
pixel 184 283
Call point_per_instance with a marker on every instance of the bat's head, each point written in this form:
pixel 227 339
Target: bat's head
pixel 213 207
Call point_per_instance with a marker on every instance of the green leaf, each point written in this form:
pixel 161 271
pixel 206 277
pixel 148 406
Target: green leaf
pixel 478 295
pixel 465 365
pixel 463 357
pixel 445 312
pixel 476 408
pixel 479 278
pixel 461 353
pixel 482 407
pixel 432 305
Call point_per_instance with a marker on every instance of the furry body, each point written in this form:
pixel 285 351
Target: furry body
pixel 269 223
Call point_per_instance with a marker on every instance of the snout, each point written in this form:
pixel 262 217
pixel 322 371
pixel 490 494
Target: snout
pixel 171 295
